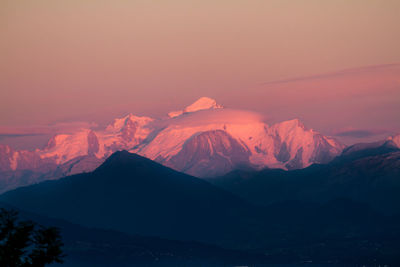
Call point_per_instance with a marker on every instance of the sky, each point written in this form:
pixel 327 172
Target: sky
pixel 333 64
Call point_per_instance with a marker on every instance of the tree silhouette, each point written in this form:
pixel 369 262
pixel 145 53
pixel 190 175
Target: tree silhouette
pixel 25 243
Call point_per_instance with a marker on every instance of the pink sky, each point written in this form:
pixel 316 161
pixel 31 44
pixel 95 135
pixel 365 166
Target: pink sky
pixel 90 61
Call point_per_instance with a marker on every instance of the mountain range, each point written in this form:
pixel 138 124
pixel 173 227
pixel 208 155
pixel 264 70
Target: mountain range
pixel 204 139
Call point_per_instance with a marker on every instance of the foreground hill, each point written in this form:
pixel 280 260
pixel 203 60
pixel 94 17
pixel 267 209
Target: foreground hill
pixel 134 195
pixel 87 247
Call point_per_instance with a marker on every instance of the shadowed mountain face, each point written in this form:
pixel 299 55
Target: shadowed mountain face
pixel 208 153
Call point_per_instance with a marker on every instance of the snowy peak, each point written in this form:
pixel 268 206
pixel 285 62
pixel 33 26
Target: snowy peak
pixel 202 103
pixel 298 147
pixel 64 147
pixel 395 139
pixel 120 123
pixel 289 126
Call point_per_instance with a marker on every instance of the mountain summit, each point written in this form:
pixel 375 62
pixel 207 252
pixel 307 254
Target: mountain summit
pixel 200 104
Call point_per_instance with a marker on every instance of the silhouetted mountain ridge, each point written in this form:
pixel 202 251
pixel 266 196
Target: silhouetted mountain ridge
pixel 362 150
pixel 136 195
pixel 359 176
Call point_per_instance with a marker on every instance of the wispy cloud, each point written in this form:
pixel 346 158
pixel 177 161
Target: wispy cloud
pixel 359 133
pixel 334 74
pixel 65 127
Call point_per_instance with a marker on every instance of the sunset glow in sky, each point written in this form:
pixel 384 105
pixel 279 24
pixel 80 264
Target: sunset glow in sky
pixel 333 64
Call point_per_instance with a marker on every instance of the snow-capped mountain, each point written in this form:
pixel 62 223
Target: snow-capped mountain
pixel 203 139
pixel 87 147
pixel 215 141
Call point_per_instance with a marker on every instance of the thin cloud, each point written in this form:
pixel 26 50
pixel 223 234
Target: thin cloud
pixel 359 133
pixel 65 127
pixel 2 136
pixel 332 74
